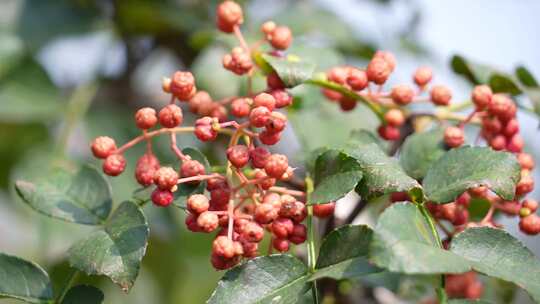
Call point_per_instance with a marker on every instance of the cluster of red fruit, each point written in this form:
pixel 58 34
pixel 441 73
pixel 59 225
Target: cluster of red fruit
pixel 376 74
pixel 245 202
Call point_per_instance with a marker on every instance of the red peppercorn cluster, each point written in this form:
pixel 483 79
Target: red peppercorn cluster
pixel 245 202
pixel 368 84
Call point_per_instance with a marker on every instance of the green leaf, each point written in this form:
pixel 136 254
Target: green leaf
pixel 344 253
pixel 362 136
pixel 502 83
pixel 420 150
pixel 526 77
pixel 28 95
pixel 24 280
pixel 473 72
pixel 11 52
pixel 335 175
pixel 496 253
pixel 381 173
pixel 266 279
pixel 117 250
pixel 83 197
pixel 292 70
pixel 83 294
pixel 403 242
pixel 185 190
pixel 468 167
pixel 63 17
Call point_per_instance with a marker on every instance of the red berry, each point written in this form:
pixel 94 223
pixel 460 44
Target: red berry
pixel 268 27
pixel 338 74
pixel 191 223
pixel 220 196
pixel 146 118
pixel 238 155
pixel 481 96
pixel 197 203
pixel 146 167
pixel 219 112
pixel 165 178
pixel 388 57
pixel 259 116
pixel 474 290
pixel 265 213
pixel 103 146
pixel 526 161
pixel 276 123
pixel 394 117
pixel 464 199
pixel 276 165
pixel 240 107
pixel 479 191
pixel 402 94
pixel 229 14
pixel 515 144
pixel 191 168
pixel 162 198
pixel 530 224
pixel 259 157
pixel 208 221
pixel 502 107
pixel 224 247
pixel 357 79
pixel 525 185
pixel 221 263
pixel 282 227
pixel 253 232
pixel 204 129
pixel 498 142
pixel 461 217
pixel 238 61
pixel 378 70
pixel 399 197
pixel 265 100
pixel 283 99
pixel 347 104
pixel 274 82
pixel 422 76
pixel 440 95
pixel 281 244
pixel 530 204
pixel 492 125
pixel 250 249
pixel 269 138
pixel 281 37
pixel 324 210
pixel 511 127
pixel 170 116
pixel 388 132
pixel 114 164
pixel 454 137
pixel 200 103
pixel 331 94
pixel 299 234
pixel 183 85
pixel 511 208
pixel 266 182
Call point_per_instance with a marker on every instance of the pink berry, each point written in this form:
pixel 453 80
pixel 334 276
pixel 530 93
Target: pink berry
pixel 530 224
pixel 229 14
pixel 394 117
pixel 530 204
pixel 357 79
pixel 162 198
pixel 204 129
pixel 440 95
pixel 224 247
pixel 388 57
pixel 481 96
pixel 422 76
pixel 378 70
pixel 402 94
pixel 191 168
pixel 146 118
pixel 283 99
pixel 515 144
pixel 280 244
pixel 259 116
pixel 265 100
pixel 238 155
pixel 454 137
pixel 165 178
pixel 114 164
pixel 183 85
pixel 388 132
pixel 146 167
pixel 240 107
pixel 265 213
pixel 197 203
pixel 208 221
pixel 502 107
pixel 299 234
pixel 269 138
pixel 526 161
pixel 253 232
pixel 103 146
pixel 276 165
pixel 281 37
pixel 324 210
pixel 170 116
pixel 259 157
pixel 274 82
pixel 282 227
pixel 200 103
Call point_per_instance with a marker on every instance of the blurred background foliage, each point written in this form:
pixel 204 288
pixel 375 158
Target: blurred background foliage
pixel 71 70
